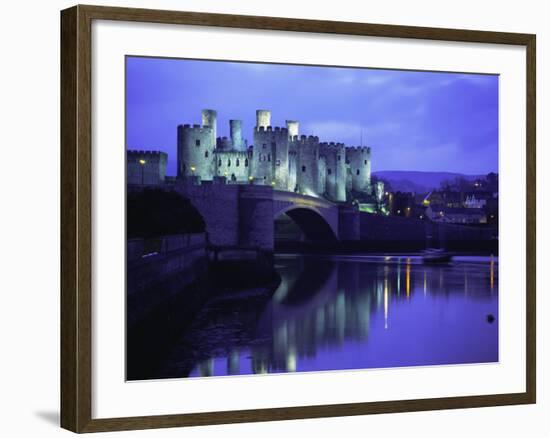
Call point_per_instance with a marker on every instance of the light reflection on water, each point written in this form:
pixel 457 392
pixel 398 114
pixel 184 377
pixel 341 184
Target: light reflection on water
pixel 350 312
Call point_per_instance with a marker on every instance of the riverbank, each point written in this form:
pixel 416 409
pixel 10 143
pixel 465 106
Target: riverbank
pixel 153 332
pixel 485 247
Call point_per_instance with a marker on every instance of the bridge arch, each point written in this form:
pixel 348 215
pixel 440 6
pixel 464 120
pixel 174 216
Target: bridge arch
pixel 310 221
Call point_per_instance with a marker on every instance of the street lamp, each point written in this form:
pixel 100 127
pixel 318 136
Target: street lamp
pixel 142 162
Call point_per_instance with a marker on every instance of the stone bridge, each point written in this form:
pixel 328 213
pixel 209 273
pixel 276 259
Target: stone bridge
pixel 244 215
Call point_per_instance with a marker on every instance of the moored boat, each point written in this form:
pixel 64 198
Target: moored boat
pixel 436 256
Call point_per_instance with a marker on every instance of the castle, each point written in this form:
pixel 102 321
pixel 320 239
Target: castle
pixel 279 157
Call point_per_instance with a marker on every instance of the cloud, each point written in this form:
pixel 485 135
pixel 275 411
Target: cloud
pixel 375 80
pixel 482 80
pixel 332 130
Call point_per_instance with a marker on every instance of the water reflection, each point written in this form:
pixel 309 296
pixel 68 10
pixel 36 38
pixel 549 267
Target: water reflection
pixel 349 312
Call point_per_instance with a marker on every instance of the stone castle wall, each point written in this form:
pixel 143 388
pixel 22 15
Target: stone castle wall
pixel 195 151
pixel 358 159
pixel 146 167
pixel 322 178
pixel 307 169
pixel 233 164
pixel 271 156
pixel 279 158
pixel 334 154
pixel 292 169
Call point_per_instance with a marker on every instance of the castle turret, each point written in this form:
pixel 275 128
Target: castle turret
pixel 292 126
pixel 236 130
pixel 335 159
pixel 271 156
pixel 307 169
pixel 195 151
pixel 210 119
pixel 359 167
pixel 263 118
pixel 146 167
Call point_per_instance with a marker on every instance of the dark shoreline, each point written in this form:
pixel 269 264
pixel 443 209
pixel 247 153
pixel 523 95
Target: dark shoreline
pixel 150 339
pixel 385 247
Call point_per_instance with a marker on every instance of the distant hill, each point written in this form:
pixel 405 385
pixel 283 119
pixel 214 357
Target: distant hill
pixel 419 182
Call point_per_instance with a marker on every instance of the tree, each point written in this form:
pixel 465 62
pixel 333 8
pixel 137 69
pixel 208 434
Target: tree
pixel 458 184
pixel 155 213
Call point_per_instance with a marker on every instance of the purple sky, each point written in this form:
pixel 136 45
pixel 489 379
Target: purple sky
pixel 412 120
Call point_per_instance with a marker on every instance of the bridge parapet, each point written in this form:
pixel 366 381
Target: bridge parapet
pixel 244 215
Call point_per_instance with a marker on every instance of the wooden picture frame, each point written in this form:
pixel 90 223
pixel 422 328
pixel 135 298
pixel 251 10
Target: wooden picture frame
pixel 76 217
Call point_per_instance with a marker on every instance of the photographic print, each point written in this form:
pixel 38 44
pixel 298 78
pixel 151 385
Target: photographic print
pixel 296 218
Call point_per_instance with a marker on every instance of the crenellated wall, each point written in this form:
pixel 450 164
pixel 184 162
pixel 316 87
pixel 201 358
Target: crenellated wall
pixel 322 178
pixel 146 167
pixel 307 168
pixel 270 161
pixel 195 151
pixel 334 153
pixel 279 157
pixel 358 159
pixel 292 166
pixel 233 164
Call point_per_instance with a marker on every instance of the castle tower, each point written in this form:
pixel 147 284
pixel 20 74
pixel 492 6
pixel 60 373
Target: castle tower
pixel 236 130
pixel 307 168
pixel 146 167
pixel 341 173
pixel 292 126
pixel 195 151
pixel 322 178
pixel 270 162
pixel 335 186
pixel 263 118
pixel 359 167
pixel 210 119
pixel 292 163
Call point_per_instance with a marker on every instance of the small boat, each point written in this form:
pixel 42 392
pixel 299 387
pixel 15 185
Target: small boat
pixel 436 256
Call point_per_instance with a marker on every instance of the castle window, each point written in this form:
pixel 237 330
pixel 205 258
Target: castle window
pixel 329 171
pixel 264 146
pixel 237 163
pixel 268 157
pixel 205 154
pixel 358 172
pixel 365 162
pixel 303 168
pixel 246 162
pixel 220 162
pixel 339 157
pixel 278 162
pixel 197 142
pixel 229 163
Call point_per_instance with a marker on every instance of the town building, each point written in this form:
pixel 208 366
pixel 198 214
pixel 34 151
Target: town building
pixel 460 215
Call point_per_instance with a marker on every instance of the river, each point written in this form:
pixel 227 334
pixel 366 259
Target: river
pixel 348 312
